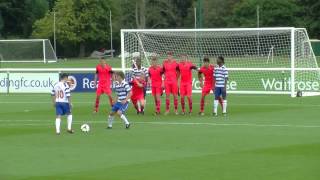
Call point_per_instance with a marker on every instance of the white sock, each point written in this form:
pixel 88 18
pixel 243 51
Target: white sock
pixel 215 106
pixel 69 121
pixel 123 117
pixel 224 108
pixel 110 121
pixel 58 122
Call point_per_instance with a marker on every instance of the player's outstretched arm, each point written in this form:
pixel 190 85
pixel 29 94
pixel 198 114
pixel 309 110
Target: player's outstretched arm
pixel 127 98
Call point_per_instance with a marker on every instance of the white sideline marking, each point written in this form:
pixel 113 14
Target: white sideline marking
pixel 159 123
pixel 237 104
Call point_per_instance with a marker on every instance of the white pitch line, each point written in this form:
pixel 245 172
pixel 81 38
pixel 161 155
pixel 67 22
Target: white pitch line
pixel 151 103
pixel 162 123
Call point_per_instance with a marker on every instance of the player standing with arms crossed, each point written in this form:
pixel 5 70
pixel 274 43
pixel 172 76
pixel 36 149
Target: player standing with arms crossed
pixel 123 91
pixel 61 99
pixel 103 72
pixel 155 75
pixel 171 73
pixel 206 71
pixel 221 77
pixel 185 68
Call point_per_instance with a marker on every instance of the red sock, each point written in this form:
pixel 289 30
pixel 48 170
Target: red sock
pixel 183 104
pixel 220 101
pixel 190 104
pixel 175 102
pixel 97 104
pixel 167 104
pixel 202 104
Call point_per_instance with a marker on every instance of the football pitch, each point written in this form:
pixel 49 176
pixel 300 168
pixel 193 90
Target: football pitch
pixel 263 137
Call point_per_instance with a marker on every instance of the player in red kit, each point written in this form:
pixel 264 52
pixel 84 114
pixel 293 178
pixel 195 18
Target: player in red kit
pixel 103 73
pixel 137 98
pixel 171 73
pixel 206 71
pixel 155 75
pixel 185 68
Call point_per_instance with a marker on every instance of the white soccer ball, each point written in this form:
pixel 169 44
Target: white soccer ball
pixel 85 128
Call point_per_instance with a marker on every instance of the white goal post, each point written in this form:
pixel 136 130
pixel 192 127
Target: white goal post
pixel 27 50
pixel 260 60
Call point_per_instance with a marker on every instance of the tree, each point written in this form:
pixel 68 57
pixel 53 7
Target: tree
pixel 309 16
pixel 19 15
pixel 77 21
pixel 272 13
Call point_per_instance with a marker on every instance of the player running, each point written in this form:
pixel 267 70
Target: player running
pixel 185 68
pixel 155 75
pixel 137 98
pixel 208 85
pixel 221 77
pixel 121 104
pixel 61 99
pixel 103 73
pixel 171 73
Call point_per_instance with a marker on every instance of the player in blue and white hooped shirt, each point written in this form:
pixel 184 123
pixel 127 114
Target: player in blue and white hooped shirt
pixel 61 99
pixel 123 91
pixel 221 77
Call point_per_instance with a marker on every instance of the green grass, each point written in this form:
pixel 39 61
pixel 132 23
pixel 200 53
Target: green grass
pixel 263 137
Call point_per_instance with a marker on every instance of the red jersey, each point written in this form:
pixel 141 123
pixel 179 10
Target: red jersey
pixel 185 69
pixel 170 71
pixel 156 76
pixel 104 75
pixel 136 89
pixel 208 75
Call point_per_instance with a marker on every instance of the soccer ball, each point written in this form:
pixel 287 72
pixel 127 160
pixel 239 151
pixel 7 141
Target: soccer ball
pixel 85 128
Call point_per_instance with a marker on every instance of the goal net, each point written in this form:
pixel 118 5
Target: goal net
pixel 259 60
pixel 29 50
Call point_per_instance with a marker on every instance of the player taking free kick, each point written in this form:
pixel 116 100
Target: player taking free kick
pixel 121 104
pixel 171 73
pixel 206 71
pixel 185 68
pixel 155 75
pixel 103 73
pixel 221 77
pixel 61 99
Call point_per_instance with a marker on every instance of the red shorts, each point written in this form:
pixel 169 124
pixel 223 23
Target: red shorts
pixel 171 88
pixel 138 97
pixel 156 90
pixel 206 90
pixel 185 89
pixel 103 90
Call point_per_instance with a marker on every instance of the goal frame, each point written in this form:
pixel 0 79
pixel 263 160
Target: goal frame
pixel 292 92
pixel 44 58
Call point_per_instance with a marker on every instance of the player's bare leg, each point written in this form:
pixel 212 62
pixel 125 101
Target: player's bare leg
pixel 141 103
pixel 110 100
pixel 96 106
pixel 221 101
